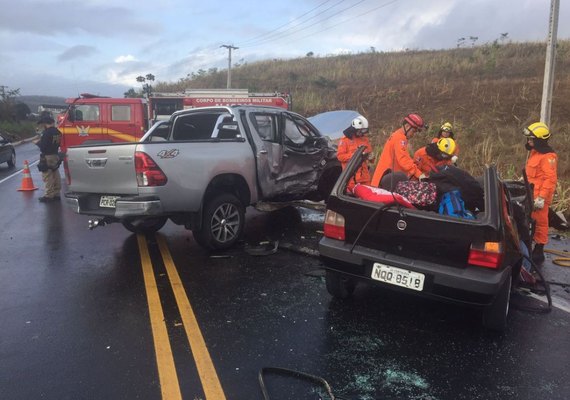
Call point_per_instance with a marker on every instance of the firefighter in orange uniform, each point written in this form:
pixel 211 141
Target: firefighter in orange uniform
pixel 541 167
pixel 429 157
pixel 395 156
pixel 354 137
pixel 446 131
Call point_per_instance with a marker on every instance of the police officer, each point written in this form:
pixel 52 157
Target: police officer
pixel 49 159
pixel 541 170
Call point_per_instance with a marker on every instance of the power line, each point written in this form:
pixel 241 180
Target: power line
pixel 350 19
pixel 278 34
pixel 281 26
pixel 307 27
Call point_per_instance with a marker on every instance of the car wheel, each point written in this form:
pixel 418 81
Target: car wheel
pixel 339 285
pixel 222 223
pixel 144 225
pixel 12 160
pixel 495 315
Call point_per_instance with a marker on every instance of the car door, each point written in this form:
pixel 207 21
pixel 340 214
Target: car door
pixel 287 157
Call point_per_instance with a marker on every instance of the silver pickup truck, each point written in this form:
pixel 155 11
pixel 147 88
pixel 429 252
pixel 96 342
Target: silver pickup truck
pixel 201 169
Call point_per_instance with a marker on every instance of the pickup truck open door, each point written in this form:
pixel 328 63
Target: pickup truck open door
pixel 289 152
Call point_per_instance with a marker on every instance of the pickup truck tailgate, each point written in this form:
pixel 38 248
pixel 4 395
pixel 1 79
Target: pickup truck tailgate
pixel 103 169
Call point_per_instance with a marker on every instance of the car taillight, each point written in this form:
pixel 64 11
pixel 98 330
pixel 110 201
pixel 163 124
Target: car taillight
pixel 148 173
pixel 334 225
pixel 487 254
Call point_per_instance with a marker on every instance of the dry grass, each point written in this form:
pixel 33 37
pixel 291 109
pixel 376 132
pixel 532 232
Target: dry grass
pixel 489 93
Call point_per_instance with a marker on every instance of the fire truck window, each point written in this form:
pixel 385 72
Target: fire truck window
pixel 87 112
pixel 265 126
pixel 120 113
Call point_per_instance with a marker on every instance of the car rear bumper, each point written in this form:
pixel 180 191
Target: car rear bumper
pixel 132 206
pixel 471 285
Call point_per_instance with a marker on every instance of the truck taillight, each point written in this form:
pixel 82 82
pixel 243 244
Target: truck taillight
pixel 66 170
pixel 334 225
pixel 148 173
pixel 486 254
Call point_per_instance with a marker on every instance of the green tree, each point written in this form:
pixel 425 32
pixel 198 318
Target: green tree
pixel 21 111
pixel 8 103
pixel 132 93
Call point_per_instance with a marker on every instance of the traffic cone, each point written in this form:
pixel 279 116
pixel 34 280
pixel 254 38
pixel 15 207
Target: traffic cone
pixel 27 183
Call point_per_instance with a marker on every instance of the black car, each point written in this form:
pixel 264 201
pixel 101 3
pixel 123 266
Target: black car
pixel 7 152
pixel 424 253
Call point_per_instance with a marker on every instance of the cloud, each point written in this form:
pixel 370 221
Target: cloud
pixel 68 17
pixel 125 59
pixel 79 51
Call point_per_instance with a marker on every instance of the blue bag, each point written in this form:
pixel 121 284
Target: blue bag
pixel 452 204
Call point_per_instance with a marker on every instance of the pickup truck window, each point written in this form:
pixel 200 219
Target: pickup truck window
pixel 297 131
pixel 195 126
pixel 265 126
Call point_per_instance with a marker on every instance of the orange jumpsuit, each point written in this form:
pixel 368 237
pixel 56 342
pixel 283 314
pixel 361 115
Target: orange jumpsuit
pixel 541 172
pixel 395 157
pixel 346 148
pixel 427 163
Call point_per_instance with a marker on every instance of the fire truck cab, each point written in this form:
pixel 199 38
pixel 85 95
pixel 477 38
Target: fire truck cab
pixel 91 119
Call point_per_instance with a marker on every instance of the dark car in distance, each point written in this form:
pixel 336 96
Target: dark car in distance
pixel 418 252
pixel 7 152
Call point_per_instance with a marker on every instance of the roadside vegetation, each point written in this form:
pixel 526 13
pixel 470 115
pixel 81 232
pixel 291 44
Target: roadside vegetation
pixel 14 114
pixel 489 93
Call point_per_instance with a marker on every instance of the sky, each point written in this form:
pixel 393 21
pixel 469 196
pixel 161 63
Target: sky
pixel 65 47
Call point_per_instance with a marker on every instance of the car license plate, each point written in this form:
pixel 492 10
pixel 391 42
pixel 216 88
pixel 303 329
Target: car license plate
pixel 108 201
pixel 398 276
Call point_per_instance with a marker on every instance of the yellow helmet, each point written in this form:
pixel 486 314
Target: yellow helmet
pixel 446 127
pixel 538 130
pixel 446 145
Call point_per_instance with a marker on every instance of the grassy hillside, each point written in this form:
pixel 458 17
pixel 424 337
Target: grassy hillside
pixel 489 93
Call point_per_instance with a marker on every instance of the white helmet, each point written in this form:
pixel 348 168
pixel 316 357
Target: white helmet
pixel 360 123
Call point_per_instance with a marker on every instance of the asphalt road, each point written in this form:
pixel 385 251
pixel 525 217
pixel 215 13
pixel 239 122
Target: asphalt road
pixel 105 314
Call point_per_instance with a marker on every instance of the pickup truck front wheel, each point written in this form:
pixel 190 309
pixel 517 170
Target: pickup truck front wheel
pixel 338 285
pixel 222 222
pixel 495 315
pixel 145 225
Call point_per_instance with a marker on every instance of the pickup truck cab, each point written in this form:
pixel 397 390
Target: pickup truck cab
pixel 201 169
pixel 467 261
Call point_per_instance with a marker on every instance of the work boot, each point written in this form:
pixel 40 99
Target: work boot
pixel 538 254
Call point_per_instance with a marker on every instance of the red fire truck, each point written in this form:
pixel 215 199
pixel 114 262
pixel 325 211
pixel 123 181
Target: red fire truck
pixel 91 119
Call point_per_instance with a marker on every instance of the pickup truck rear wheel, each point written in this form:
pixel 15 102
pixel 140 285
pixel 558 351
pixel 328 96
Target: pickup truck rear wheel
pixel 338 285
pixel 145 225
pixel 495 315
pixel 222 222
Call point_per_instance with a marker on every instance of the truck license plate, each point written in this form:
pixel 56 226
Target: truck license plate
pixel 108 201
pixel 397 276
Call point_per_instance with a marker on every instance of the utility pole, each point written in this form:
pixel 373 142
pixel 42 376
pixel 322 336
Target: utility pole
pixel 229 47
pixel 548 83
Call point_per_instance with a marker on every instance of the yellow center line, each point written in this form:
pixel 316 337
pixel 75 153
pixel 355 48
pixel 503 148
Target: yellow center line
pixel 208 376
pixel 169 385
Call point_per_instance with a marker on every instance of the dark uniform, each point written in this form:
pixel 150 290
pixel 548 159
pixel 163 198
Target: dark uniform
pixel 49 147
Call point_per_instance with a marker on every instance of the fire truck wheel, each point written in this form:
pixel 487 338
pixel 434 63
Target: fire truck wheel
pixel 145 225
pixel 222 222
